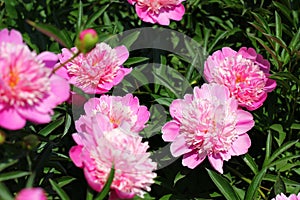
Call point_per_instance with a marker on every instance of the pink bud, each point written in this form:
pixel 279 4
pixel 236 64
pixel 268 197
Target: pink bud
pixel 87 40
pixel 31 194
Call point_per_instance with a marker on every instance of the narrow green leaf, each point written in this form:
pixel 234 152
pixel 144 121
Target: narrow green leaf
pixel 178 177
pixel 285 159
pixel 223 185
pixel 61 193
pixel 272 178
pixel 286 11
pixel 277 41
pixel 79 21
pixel 50 31
pixel 279 186
pixel 107 185
pixel 51 127
pixel 64 180
pixel 89 194
pixel 130 39
pixel 68 122
pixel 295 41
pixel 279 151
pixel 30 181
pixel 13 175
pixel 135 60
pixel 95 16
pixel 278 29
pixel 251 163
pixel 254 186
pixel 4 193
pixel 7 163
pixel 268 148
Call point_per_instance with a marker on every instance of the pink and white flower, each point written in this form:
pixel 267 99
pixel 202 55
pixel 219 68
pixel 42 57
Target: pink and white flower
pixel 159 11
pixel 97 71
pixel 100 146
pixel 208 123
pixel 28 89
pixel 31 194
pixel 284 197
pixel 121 111
pixel 245 73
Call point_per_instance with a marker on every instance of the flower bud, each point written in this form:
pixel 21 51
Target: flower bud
pixel 30 142
pixel 87 40
pixel 2 137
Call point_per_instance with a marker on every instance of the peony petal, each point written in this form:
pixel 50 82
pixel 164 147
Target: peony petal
pixel 245 121
pixel 12 36
pixel 217 162
pixel 122 54
pixel 170 131
pixel 192 159
pixel 49 58
pixel 11 119
pixel 75 155
pixel 60 88
pixel 241 145
pixel 176 13
pixel 35 116
pixel 179 147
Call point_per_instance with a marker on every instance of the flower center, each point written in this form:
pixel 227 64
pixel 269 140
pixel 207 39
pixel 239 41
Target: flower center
pixel 209 127
pixel 24 80
pixel 156 5
pixel 242 77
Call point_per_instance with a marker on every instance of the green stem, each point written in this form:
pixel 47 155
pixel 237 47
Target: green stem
pixel 64 63
pixel 247 180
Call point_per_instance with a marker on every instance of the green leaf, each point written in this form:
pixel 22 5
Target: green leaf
pixel 51 127
pixel 5 194
pixel 166 197
pixel 7 163
pixel 279 186
pixel 61 193
pixel 279 151
pixel 95 16
pixel 223 185
pixel 254 186
pixel 68 122
pixel 268 148
pixel 107 185
pixel 64 180
pixel 178 177
pixel 278 29
pixel 52 32
pixel 13 175
pixel 130 39
pixel 135 60
pixel 251 163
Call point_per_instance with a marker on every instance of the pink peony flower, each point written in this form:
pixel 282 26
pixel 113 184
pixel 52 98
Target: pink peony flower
pixel 28 90
pixel 97 71
pixel 208 123
pixel 100 146
pixel 121 111
pixel 283 197
pixel 245 73
pixel 31 194
pixel 159 11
